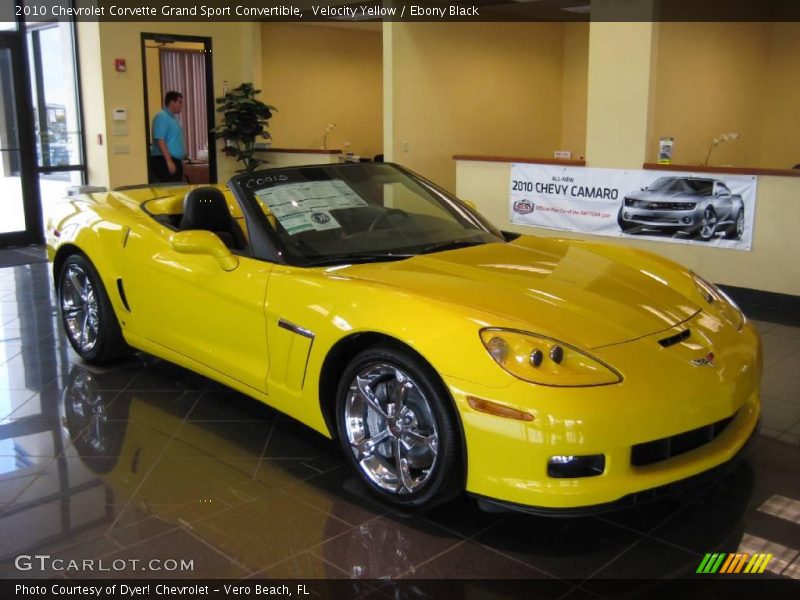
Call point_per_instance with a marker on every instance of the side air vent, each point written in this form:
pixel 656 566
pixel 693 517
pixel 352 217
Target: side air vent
pixel 675 339
pixel 122 296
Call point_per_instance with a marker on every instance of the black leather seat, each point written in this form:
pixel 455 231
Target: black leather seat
pixel 206 208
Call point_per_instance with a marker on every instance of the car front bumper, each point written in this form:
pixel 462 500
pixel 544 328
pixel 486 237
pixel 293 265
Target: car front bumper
pixel 633 499
pixel 507 459
pixel 662 219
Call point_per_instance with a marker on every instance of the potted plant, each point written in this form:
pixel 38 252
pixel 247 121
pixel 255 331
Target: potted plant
pixel 725 137
pixel 244 119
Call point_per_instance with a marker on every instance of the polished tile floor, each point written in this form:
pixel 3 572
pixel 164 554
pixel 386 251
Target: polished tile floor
pixel 147 460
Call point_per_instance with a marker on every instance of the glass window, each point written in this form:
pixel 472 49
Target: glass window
pixel 11 203
pixel 51 116
pixel 680 185
pixel 55 110
pixel 723 190
pixel 325 214
pixel 54 95
pixel 55 186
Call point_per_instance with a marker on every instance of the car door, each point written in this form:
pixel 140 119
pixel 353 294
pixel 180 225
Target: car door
pixel 191 305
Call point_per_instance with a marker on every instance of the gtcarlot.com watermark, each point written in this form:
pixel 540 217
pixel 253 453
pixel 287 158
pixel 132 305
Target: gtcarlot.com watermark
pixel 44 562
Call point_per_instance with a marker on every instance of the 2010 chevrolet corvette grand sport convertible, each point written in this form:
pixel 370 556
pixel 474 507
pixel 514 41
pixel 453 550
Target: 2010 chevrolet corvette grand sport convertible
pixel 542 374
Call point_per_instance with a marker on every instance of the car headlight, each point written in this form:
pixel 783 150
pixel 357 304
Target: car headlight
pixel 724 305
pixel 546 361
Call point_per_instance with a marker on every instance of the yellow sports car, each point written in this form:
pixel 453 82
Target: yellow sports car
pixel 548 375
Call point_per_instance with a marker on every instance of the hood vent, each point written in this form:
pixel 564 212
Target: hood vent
pixel 675 339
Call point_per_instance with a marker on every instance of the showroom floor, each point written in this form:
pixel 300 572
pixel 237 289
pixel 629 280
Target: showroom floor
pixel 147 460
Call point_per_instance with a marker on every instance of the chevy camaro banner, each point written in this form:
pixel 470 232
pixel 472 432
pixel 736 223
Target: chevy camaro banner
pixel 670 206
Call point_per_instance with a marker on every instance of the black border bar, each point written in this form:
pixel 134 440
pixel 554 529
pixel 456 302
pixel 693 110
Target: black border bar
pixel 404 11
pixel 698 586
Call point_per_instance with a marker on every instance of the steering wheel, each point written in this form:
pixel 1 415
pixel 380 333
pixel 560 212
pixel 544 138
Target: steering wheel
pixel 384 216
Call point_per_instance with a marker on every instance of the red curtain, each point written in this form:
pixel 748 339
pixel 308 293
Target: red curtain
pixel 184 71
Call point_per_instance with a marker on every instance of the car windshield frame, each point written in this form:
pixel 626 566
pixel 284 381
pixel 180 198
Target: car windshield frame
pixel 378 234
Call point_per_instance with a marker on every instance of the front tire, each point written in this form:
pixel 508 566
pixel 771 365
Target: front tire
pixel 95 419
pixel 626 226
pixel 708 225
pixel 398 429
pixel 86 313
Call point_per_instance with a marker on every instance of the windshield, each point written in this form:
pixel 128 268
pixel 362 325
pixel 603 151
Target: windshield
pixel 698 187
pixel 359 212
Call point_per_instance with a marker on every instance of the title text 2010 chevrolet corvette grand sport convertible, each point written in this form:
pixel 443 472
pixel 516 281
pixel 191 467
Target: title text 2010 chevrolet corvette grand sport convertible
pixel 543 374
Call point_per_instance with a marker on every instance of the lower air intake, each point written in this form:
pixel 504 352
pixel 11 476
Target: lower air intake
pixel 657 451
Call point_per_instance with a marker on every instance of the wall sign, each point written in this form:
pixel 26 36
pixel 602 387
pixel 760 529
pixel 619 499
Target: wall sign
pixel 689 208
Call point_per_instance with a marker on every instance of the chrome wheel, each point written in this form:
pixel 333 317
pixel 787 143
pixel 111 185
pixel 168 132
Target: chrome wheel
pixel 96 420
pixel 740 224
pixel 708 224
pixel 391 429
pixel 90 410
pixel 79 306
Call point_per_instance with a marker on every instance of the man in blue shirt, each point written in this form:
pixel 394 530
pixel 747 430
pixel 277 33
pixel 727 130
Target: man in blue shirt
pixel 167 152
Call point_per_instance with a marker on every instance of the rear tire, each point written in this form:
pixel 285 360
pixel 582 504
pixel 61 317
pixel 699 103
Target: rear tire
pixel 736 231
pixel 86 313
pixel 399 430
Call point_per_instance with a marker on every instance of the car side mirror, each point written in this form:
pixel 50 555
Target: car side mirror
pixel 197 241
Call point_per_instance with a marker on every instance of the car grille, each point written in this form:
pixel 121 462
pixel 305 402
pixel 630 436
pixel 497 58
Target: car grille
pixel 660 205
pixel 653 219
pixel 656 451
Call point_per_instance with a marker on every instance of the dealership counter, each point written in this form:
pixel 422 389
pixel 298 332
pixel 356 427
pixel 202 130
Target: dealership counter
pixel 771 265
pixel 292 157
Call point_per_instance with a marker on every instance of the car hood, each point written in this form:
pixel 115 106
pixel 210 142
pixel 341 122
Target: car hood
pixel 664 196
pixel 574 291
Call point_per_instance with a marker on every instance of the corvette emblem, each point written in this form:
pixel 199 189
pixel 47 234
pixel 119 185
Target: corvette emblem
pixel 706 361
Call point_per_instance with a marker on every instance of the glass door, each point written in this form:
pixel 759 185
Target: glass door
pixel 55 110
pixel 20 212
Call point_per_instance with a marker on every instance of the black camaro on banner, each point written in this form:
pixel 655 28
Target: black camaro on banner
pixel 689 208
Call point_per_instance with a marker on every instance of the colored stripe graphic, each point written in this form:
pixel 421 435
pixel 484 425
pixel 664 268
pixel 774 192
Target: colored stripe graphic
pixel 711 563
pixel 764 564
pixel 733 563
pixel 703 563
pixel 754 564
pixel 738 563
pixel 727 564
pixel 715 565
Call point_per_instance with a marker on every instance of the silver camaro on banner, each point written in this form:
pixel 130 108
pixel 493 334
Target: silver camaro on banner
pixel 671 206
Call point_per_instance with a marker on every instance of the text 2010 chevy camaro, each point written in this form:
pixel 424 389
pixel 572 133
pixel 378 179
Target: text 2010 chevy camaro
pixel 544 374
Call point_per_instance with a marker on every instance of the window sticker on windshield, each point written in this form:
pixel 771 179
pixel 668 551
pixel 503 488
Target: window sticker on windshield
pixel 306 206
pixel 299 222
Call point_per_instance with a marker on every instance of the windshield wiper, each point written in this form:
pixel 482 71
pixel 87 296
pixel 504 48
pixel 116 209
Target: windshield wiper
pixel 344 259
pixel 451 245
